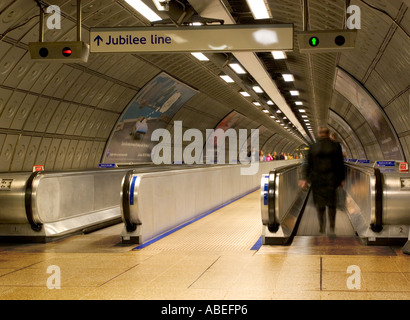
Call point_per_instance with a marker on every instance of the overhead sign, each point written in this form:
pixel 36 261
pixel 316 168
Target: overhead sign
pixel 385 163
pixel 226 38
pixel 326 40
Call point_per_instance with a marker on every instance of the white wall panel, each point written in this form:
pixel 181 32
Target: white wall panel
pixel 10 59
pixel 52 154
pixel 78 154
pixel 19 71
pixel 46 115
pixel 57 116
pixel 43 151
pixel 5 95
pixel 56 81
pixel 20 153
pixel 69 156
pixel 50 69
pixel 7 151
pixel 23 112
pixel 86 154
pixel 11 108
pixel 83 121
pixel 66 120
pixel 31 154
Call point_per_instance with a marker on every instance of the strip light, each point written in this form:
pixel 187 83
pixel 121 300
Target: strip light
pixel 143 9
pixel 258 8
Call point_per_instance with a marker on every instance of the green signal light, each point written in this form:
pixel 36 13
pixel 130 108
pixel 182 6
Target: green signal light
pixel 314 41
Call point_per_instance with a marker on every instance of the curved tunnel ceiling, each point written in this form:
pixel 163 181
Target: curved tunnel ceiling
pixel 62 115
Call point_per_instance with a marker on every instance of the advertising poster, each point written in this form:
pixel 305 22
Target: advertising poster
pixel 214 145
pixel 152 108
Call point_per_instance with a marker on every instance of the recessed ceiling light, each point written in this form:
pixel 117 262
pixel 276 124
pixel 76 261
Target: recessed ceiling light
pixel 245 94
pixel 270 103
pixel 279 55
pixel 257 89
pixel 256 104
pixel 302 110
pixel 227 78
pixel 304 116
pixel 294 92
pixel 160 4
pixel 299 103
pixel 288 77
pixel 258 8
pixel 266 111
pixel 200 56
pixel 143 9
pixel 237 68
pixel 278 111
pixel 273 117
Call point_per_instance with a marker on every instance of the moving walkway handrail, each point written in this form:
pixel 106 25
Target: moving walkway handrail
pixel 273 219
pixel 377 220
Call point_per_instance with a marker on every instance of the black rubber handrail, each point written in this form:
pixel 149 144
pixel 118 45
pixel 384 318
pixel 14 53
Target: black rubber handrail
pixel 377 226
pixel 36 226
pixel 273 225
pixel 129 225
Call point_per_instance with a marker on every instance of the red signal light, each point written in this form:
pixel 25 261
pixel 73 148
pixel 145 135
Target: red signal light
pixel 67 52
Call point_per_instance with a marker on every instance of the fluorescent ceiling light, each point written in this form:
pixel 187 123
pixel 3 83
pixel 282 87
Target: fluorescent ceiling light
pixel 277 121
pixel 258 8
pixel 160 4
pixel 195 24
pixel 257 89
pixel 302 110
pixel 294 92
pixel 200 56
pixel 227 78
pixel 237 68
pixel 245 94
pixel 143 9
pixel 266 111
pixel 306 120
pixel 282 124
pixel 273 117
pixel 299 103
pixel 278 111
pixel 279 55
pixel 288 77
pixel 256 104
pixel 270 103
pixel 304 116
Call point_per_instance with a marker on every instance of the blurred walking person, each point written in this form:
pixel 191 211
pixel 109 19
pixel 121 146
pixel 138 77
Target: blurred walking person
pixel 324 170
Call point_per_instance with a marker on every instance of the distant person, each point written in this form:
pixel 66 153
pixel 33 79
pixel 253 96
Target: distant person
pixel 324 170
pixel 253 155
pixel 269 157
pixel 275 157
pixel 282 156
pixel 261 156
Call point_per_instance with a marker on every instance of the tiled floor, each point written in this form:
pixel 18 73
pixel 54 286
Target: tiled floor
pixel 208 260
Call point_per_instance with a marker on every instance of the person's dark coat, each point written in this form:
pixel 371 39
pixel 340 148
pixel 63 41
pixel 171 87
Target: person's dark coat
pixel 325 171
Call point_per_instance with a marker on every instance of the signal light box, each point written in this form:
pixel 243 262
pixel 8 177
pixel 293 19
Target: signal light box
pixel 64 51
pixel 326 40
